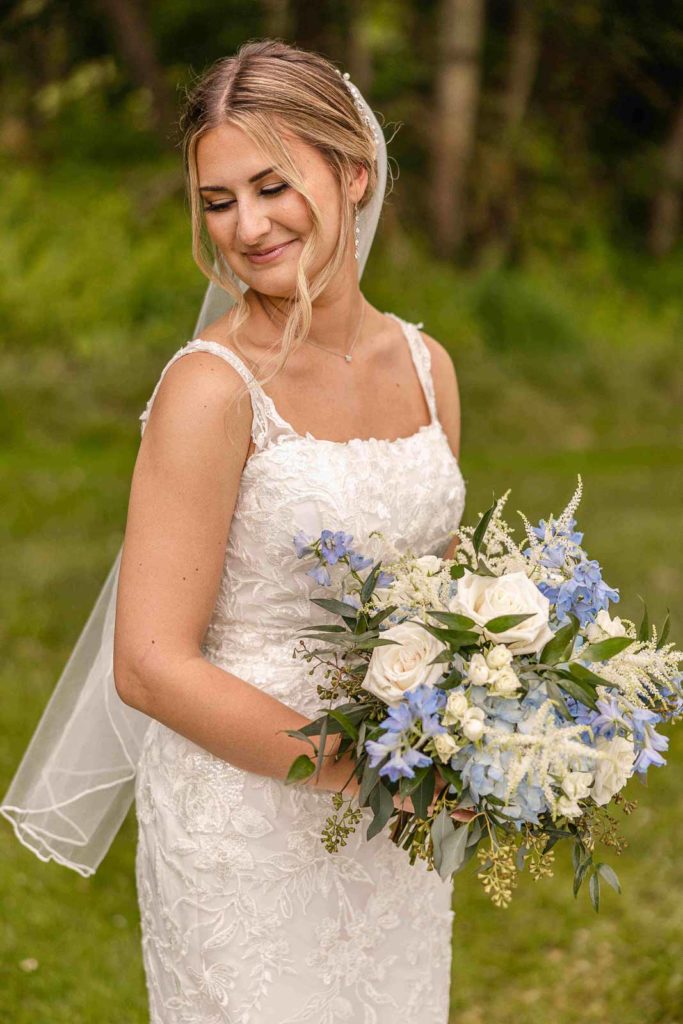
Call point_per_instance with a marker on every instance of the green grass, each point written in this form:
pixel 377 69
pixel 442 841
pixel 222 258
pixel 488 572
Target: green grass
pixel 562 371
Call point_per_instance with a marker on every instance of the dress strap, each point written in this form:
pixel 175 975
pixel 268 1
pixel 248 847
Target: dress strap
pixel 422 360
pixel 259 405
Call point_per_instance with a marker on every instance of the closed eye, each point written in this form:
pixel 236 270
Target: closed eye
pixel 215 207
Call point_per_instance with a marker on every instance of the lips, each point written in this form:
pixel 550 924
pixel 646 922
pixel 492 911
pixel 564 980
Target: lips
pixel 264 252
pixel 268 255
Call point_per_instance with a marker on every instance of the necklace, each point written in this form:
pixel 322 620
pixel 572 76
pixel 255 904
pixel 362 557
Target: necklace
pixel 347 356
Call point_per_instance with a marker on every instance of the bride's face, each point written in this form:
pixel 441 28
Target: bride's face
pixel 248 211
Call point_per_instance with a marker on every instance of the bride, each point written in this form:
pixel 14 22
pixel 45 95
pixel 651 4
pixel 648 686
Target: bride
pixel 301 407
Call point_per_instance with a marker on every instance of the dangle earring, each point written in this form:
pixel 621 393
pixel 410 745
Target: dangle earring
pixel 357 229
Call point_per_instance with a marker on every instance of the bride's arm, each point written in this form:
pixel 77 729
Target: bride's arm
pixel 447 403
pixel 183 494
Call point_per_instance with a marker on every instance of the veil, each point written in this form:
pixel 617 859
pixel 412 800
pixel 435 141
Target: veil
pixel 76 780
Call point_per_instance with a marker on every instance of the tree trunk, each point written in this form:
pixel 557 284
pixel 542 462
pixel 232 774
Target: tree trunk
pixel 276 17
pixel 665 218
pixel 503 202
pixel 135 43
pixel 460 26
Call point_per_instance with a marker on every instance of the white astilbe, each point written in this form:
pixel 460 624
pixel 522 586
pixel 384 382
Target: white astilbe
pixel 416 588
pixel 641 671
pixel 556 531
pixel 499 552
pixel 545 751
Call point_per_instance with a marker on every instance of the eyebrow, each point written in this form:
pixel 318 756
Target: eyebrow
pixel 223 188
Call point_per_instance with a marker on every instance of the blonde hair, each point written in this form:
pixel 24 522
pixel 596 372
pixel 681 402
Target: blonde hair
pixel 269 86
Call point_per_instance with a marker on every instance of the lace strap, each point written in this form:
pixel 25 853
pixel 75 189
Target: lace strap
pixel 259 423
pixel 422 359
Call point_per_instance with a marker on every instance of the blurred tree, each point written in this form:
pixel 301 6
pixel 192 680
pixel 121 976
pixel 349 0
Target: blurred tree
pixel 460 29
pixel 665 223
pixel 135 41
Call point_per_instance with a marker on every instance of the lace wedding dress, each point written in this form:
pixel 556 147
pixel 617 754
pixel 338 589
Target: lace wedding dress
pixel 246 918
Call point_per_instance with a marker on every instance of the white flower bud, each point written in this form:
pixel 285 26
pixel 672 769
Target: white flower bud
pixel 478 670
pixel 504 683
pixel 473 725
pixel 445 745
pixel 498 657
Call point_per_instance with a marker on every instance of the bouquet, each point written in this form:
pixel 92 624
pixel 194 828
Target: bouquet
pixel 495 682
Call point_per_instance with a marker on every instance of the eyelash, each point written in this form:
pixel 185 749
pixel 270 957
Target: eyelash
pixel 215 207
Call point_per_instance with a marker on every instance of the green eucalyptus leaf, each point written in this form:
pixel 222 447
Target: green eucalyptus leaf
pixel 301 768
pixel 482 526
pixel 609 875
pixel 330 604
pixel 665 629
pixel 423 794
pixel 345 722
pixel 644 630
pixel 457 571
pixel 605 649
pixel 369 780
pixel 453 848
pixel 441 827
pixel 555 694
pixel 560 647
pixel 382 803
pixel 369 584
pixel 500 623
pixel 452 619
pixel 594 887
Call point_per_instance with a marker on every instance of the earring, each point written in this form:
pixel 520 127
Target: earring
pixel 357 230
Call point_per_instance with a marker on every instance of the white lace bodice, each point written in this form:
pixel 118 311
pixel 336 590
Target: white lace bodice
pixel 410 488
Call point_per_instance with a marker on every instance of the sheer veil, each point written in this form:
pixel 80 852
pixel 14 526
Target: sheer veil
pixel 75 782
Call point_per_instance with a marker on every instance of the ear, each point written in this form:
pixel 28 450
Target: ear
pixel 358 183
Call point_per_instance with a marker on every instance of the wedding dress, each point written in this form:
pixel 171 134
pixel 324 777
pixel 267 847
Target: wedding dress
pixel 246 918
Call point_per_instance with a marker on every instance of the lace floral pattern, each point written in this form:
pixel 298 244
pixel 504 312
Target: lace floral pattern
pixel 245 916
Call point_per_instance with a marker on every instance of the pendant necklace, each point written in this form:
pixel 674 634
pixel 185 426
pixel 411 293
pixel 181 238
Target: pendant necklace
pixel 347 356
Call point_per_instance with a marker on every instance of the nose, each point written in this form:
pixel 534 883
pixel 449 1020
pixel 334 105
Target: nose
pixel 252 223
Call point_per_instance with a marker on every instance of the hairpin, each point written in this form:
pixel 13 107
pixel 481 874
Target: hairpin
pixel 360 103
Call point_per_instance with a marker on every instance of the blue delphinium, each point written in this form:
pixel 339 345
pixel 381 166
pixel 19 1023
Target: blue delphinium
pixel 334 544
pixel 413 716
pixel 612 719
pixel 585 594
pixel 331 547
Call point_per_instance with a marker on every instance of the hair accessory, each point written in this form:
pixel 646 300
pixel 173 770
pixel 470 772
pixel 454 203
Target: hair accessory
pixel 360 104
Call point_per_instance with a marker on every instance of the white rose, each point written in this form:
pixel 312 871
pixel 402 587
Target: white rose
pixel 612 770
pixel 473 724
pixel 498 657
pixel 595 631
pixel 429 563
pixel 478 670
pixel 569 808
pixel 504 683
pixel 577 785
pixel 486 597
pixel 445 745
pixel 456 708
pixel 396 668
